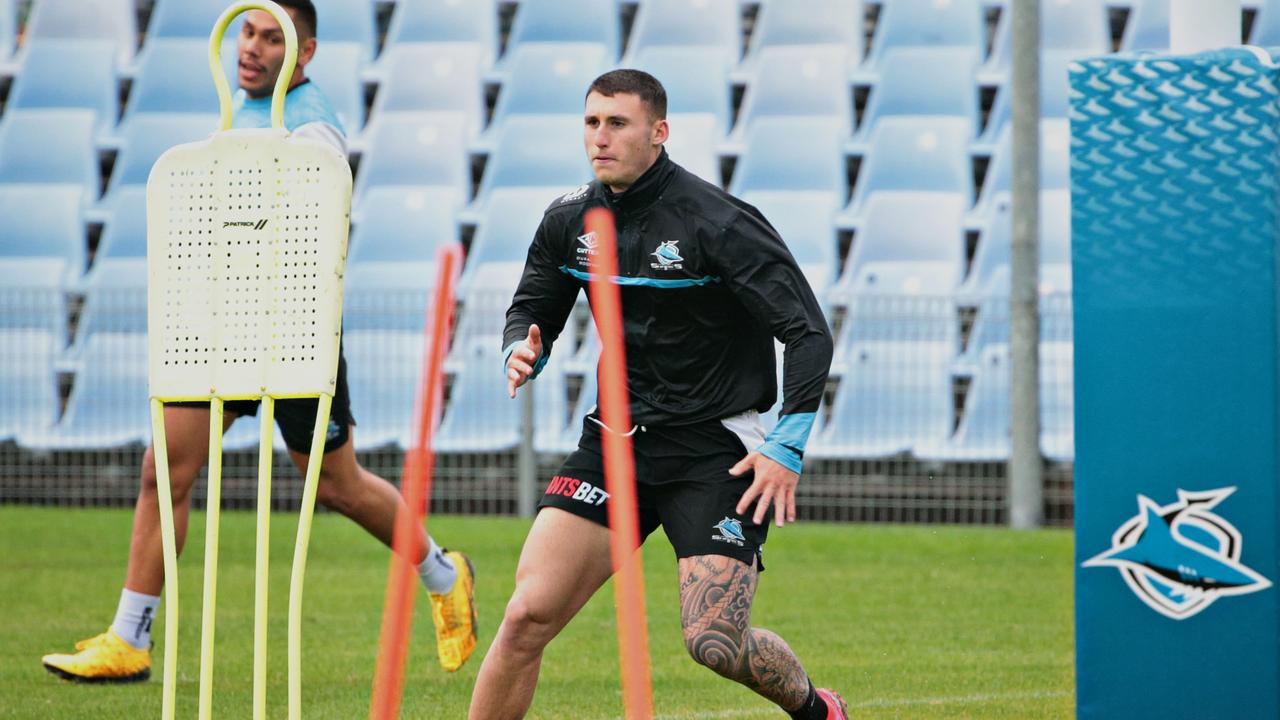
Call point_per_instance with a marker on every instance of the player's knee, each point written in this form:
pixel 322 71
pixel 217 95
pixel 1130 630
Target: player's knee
pixel 716 649
pixel 529 625
pixel 182 473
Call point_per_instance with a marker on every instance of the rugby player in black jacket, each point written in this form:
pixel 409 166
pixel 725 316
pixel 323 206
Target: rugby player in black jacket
pixel 707 285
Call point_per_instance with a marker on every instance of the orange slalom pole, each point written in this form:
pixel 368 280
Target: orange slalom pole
pixel 419 464
pixel 620 482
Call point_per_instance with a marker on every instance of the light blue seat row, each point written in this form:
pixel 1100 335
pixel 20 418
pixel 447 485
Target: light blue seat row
pixel 432 77
pixel 562 21
pixel 914 154
pixel 536 151
pixel 108 405
pixel 33 295
pixel 415 149
pixel 983 432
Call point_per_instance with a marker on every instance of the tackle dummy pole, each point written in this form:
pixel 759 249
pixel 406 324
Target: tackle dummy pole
pixel 246 245
pixel 619 465
pixel 419 464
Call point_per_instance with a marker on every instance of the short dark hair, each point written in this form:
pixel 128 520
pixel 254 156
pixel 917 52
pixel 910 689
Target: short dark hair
pixel 634 82
pixel 306 12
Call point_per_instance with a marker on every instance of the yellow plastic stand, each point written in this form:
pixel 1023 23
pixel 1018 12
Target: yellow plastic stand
pixel 246 244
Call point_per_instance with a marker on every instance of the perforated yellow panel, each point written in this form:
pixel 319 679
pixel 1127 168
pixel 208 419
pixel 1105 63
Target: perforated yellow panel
pixel 246 242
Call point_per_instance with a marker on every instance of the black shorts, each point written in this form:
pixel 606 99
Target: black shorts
pixel 296 418
pixel 682 483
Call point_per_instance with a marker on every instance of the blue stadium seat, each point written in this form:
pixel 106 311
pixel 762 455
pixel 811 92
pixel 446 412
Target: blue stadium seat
pixel 506 228
pixel 537 151
pixel 547 79
pixel 693 142
pixel 923 81
pixel 384 369
pixel 391 266
pixel 125 232
pixel 45 221
pixel 709 23
pixel 1055 164
pixel 415 149
pixel 1053 98
pixel 914 154
pixel 113 20
pixel 1266 24
pixel 1079 26
pixel 1148 26
pixel 808 81
pixel 894 396
pixel 696 80
pixel 816 22
pixel 910 227
pixel 172 77
pixel 348 21
pixel 69 74
pixel 805 220
pixel 983 433
pixel 479 417
pixel 50 146
pixel 905 23
pixel 192 19
pixel 563 21
pixel 147 136
pixel 810 158
pixel 996 241
pixel 108 406
pixel 473 22
pixel 404 224
pixel 115 301
pixel 29 397
pixel 335 69
pixel 32 295
pixel 432 77
pixel 552 422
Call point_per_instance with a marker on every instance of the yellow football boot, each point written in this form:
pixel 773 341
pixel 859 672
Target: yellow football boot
pixel 106 658
pixel 454 614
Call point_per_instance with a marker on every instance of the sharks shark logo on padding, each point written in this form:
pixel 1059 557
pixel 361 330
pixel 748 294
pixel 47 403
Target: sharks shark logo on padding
pixel 1180 558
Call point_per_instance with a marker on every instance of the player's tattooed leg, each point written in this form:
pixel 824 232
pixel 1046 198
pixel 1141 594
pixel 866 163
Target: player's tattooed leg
pixel 715 610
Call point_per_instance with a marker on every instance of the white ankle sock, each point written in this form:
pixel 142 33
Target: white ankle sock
pixel 437 571
pixel 133 618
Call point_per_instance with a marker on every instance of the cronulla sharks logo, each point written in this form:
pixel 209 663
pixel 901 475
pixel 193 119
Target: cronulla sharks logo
pixel 1180 558
pixel 668 256
pixel 730 532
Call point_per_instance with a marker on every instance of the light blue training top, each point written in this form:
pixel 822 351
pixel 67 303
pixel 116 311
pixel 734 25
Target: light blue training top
pixel 303 105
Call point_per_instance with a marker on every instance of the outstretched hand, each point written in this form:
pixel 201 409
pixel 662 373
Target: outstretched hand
pixel 774 484
pixel 523 357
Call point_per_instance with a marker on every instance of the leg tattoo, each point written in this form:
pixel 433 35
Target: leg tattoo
pixel 715 610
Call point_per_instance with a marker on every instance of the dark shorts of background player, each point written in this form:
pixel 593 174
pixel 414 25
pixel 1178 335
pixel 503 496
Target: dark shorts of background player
pixel 297 418
pixel 682 483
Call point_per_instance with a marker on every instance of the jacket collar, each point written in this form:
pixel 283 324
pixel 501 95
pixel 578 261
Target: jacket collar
pixel 646 190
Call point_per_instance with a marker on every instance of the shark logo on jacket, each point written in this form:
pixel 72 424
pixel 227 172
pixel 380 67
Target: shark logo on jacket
pixel 1180 558
pixel 668 256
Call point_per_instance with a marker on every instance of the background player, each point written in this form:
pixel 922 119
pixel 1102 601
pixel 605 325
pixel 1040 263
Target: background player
pixel 708 286
pixel 122 653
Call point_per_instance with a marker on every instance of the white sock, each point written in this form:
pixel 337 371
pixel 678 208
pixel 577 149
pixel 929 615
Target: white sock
pixel 437 570
pixel 133 618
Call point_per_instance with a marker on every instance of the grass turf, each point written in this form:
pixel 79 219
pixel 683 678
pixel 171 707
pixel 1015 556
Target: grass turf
pixel 911 622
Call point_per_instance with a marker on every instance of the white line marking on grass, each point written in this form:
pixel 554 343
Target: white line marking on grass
pixel 879 703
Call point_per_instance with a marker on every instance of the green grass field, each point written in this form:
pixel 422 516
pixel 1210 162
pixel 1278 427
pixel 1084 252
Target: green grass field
pixel 910 622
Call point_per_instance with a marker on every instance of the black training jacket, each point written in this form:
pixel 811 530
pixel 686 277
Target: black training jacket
pixel 706 285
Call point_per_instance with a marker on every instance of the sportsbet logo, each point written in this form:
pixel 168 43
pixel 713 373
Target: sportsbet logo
pixel 577 489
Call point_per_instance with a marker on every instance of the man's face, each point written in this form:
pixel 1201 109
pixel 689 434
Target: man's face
pixel 622 138
pixel 261 49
